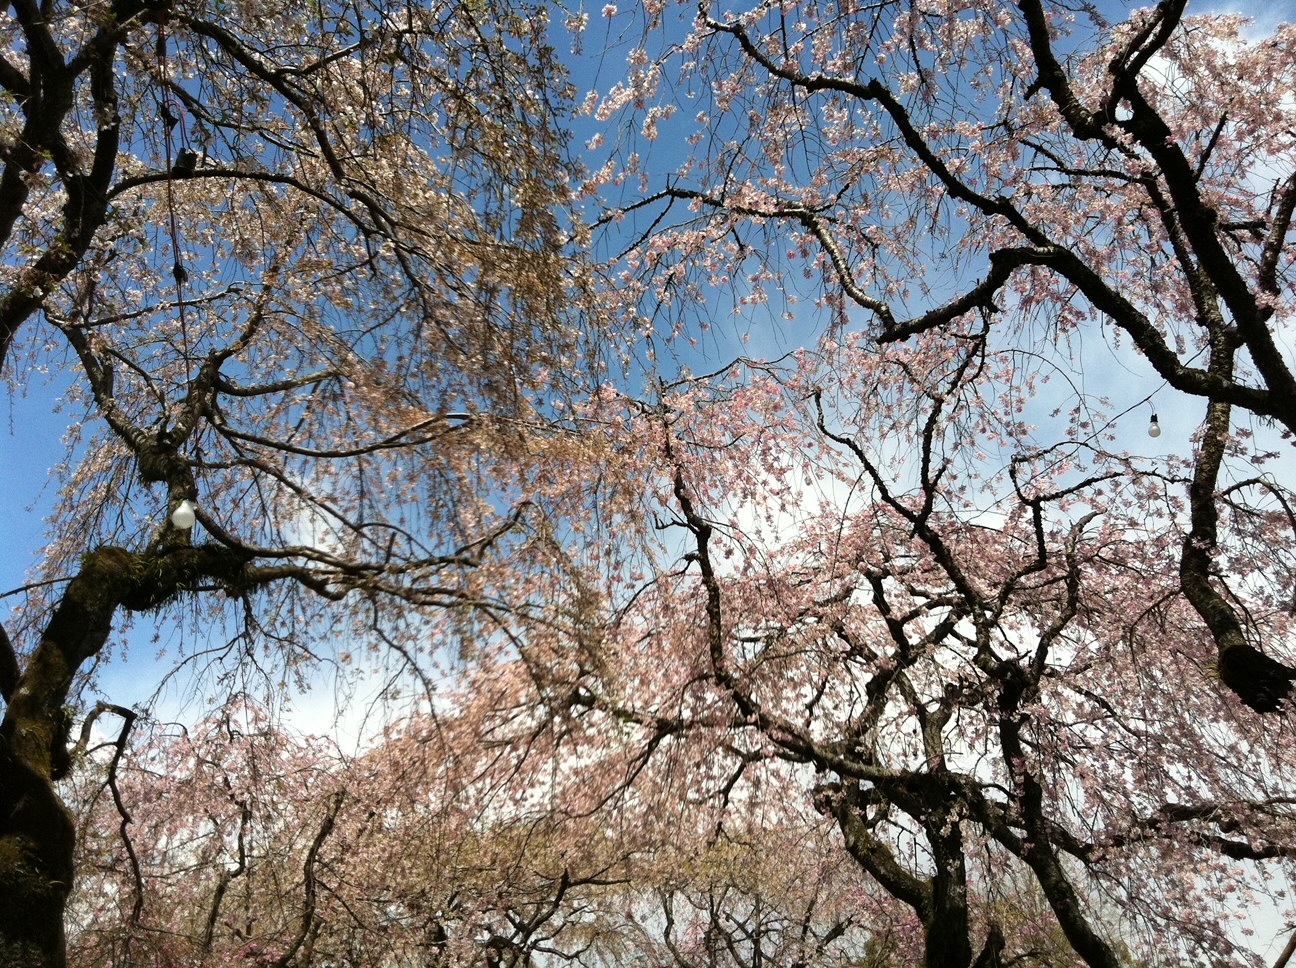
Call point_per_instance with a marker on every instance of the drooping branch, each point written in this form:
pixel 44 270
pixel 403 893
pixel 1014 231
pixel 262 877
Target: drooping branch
pixel 51 97
pixel 229 874
pixel 123 828
pixel 1193 214
pixel 1199 250
pixel 310 876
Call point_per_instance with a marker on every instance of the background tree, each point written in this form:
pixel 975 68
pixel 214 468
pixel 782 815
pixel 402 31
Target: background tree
pixel 304 266
pixel 248 844
pixel 1146 187
pixel 924 557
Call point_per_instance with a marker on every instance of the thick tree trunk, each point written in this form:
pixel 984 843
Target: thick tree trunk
pixel 941 901
pixel 37 832
pixel 36 840
pixel 946 925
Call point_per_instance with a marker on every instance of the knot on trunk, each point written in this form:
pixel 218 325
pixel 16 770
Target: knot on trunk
pixel 1262 683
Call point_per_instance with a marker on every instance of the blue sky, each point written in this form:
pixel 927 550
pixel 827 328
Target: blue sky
pixel 31 443
pixel 32 426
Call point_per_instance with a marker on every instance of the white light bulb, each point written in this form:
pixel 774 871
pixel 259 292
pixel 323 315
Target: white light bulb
pixel 183 516
pixel 1154 428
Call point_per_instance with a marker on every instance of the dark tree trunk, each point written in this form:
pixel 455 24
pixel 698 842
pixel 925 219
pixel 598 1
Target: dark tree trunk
pixel 37 832
pixel 946 926
pixel 36 840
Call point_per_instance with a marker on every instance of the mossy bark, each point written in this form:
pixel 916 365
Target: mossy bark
pixel 37 836
pixel 37 832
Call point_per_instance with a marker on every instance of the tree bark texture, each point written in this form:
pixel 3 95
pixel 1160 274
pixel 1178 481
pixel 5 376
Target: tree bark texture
pixel 37 833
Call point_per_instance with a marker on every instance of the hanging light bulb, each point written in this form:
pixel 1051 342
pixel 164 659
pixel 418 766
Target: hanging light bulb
pixel 1154 428
pixel 183 517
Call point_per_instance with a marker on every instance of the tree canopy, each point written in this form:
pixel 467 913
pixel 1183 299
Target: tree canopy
pixel 785 507
pixel 309 266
